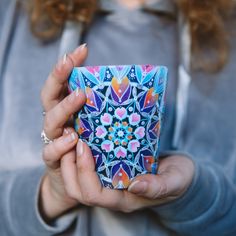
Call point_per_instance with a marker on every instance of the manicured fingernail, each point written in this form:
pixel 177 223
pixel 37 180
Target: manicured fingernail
pixel 80 148
pixel 81 48
pixel 77 92
pixel 70 138
pixel 65 131
pixel 64 60
pixel 138 187
pixel 71 97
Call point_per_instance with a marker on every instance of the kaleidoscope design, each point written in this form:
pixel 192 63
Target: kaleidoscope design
pixel 122 118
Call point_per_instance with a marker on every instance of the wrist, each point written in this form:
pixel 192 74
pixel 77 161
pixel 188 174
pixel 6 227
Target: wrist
pixel 51 204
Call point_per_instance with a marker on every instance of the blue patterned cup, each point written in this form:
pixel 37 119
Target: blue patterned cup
pixel 122 118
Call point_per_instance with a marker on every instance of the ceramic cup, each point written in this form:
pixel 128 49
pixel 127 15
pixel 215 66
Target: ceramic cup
pixel 122 118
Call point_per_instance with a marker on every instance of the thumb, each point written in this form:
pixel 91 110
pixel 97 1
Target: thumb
pixel 157 186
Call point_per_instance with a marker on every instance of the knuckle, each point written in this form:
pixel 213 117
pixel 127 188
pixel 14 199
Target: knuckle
pixel 53 127
pixel 70 60
pixel 48 122
pixel 124 206
pixel 51 156
pixel 162 191
pixel 127 207
pixel 81 168
pixel 64 109
pixel 43 96
pixel 90 199
pixel 45 154
pixel 43 93
pixel 56 73
pixel 48 153
pixel 126 210
pixel 55 150
pixel 71 193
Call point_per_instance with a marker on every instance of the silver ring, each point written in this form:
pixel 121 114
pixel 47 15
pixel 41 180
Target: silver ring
pixel 44 113
pixel 44 138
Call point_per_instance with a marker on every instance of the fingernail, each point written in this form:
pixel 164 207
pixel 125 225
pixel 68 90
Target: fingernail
pixel 70 138
pixel 80 148
pixel 77 92
pixel 80 48
pixel 65 131
pixel 64 59
pixel 62 62
pixel 138 187
pixel 71 97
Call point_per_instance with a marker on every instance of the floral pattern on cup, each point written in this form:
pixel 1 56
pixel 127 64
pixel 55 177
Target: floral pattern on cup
pixel 122 118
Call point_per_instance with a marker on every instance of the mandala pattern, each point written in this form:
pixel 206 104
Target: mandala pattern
pixel 122 118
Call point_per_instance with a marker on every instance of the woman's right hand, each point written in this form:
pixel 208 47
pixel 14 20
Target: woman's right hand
pixel 58 183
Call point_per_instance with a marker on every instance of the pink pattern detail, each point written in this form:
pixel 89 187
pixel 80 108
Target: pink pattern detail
pixel 121 113
pixel 107 146
pixel 134 119
pixel 120 152
pixel 101 132
pixel 93 69
pixel 133 146
pixel 106 119
pixel 139 132
pixel 147 68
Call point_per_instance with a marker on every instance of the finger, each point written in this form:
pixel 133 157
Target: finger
pixel 159 186
pixel 56 118
pixel 92 192
pixel 53 152
pixel 90 185
pixel 69 175
pixel 55 84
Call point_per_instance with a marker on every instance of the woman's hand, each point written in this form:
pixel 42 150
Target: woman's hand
pixel 59 107
pixel 175 176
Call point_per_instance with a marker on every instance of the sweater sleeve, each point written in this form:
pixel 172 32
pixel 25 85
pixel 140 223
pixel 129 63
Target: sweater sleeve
pixel 19 205
pixel 207 208
pixel 7 9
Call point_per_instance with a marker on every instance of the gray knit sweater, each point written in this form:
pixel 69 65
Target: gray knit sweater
pixel 208 134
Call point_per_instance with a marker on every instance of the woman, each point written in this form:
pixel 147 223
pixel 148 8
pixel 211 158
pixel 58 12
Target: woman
pixel 194 192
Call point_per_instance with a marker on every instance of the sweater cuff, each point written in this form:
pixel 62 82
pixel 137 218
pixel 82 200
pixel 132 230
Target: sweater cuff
pixel 24 206
pixel 195 201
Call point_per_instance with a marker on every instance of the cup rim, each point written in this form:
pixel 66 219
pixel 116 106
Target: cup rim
pixel 123 65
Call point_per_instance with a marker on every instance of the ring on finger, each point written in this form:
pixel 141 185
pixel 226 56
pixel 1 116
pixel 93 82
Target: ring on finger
pixel 44 138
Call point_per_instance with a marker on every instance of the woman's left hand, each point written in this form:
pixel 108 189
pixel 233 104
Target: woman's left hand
pixel 174 177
